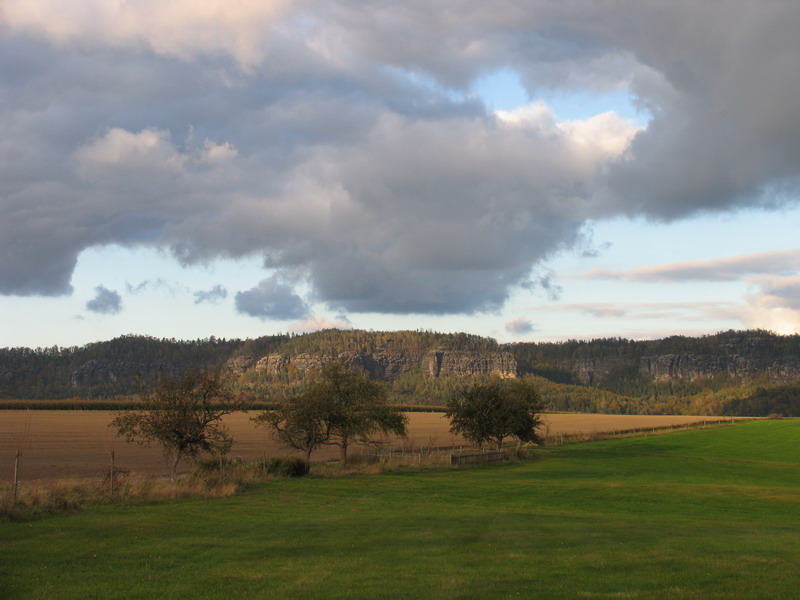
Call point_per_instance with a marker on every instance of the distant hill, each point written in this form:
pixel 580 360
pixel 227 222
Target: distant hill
pixel 264 366
pixel 726 373
pixel 734 372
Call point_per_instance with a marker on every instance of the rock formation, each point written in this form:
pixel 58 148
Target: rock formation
pixel 387 366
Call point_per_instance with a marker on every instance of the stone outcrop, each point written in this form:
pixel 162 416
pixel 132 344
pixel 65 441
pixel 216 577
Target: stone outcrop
pixel 590 370
pixel 689 366
pixel 460 363
pixel 240 364
pixel 272 363
pixel 669 367
pixel 387 365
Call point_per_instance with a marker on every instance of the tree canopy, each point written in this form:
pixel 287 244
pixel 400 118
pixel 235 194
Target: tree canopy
pixel 340 408
pixel 183 414
pixel 490 409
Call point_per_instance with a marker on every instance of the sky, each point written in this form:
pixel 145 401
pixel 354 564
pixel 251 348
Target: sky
pixel 533 170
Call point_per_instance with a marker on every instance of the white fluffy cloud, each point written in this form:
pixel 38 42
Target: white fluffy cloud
pixel 317 323
pixel 774 303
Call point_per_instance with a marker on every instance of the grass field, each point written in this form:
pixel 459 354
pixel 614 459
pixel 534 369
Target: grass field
pixel 57 444
pixel 712 513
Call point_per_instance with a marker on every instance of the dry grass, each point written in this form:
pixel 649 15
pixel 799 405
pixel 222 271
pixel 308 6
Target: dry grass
pixel 69 494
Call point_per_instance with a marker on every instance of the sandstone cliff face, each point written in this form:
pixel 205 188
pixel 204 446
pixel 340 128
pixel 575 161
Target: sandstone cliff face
pixel 590 370
pixel 461 363
pixel 691 366
pixel 382 366
pixel 239 364
pixel 387 365
pixel 669 367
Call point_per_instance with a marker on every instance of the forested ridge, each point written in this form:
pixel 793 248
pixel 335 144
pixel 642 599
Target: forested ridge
pixel 733 372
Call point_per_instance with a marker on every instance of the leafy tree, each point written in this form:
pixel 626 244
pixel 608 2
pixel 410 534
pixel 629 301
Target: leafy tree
pixel 357 409
pixel 340 408
pixel 183 415
pixel 490 409
pixel 298 423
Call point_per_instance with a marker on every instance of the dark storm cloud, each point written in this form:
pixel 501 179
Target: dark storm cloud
pixel 105 301
pixel 319 137
pixel 271 299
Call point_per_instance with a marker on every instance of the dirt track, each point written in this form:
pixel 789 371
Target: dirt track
pixel 79 443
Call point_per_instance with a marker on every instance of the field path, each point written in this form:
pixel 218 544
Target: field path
pixel 79 443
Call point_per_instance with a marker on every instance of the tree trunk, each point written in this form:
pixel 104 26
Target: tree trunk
pixel 343 454
pixel 173 476
pixel 309 449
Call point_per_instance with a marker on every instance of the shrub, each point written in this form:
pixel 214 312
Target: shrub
pixel 215 464
pixel 286 466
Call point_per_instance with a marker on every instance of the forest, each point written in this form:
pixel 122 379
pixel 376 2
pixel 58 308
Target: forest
pixel 753 372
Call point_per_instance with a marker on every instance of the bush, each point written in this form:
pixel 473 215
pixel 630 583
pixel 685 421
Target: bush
pixel 286 466
pixel 215 464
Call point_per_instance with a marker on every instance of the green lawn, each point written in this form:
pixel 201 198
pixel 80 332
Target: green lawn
pixel 699 514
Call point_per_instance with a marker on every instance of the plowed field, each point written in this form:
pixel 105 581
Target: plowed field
pixel 79 443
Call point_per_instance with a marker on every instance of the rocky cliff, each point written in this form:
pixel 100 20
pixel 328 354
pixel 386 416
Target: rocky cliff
pixel 669 367
pixel 590 370
pixel 387 366
pixel 689 366
pixel 457 363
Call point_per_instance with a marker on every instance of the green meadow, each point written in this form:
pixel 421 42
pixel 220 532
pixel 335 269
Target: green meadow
pixel 710 513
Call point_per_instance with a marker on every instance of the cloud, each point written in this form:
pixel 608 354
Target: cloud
pixel 213 296
pixel 774 304
pixel 271 299
pixel 316 323
pixel 721 269
pixel 519 326
pixel 331 147
pixel 105 301
pixel 684 311
pixel 179 28
pixel 152 284
pixel 552 290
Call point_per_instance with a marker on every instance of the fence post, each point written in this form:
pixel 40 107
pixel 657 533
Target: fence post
pixel 16 479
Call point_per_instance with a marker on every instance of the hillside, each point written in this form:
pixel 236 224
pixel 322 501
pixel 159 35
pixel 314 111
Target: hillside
pixel 264 366
pixel 734 372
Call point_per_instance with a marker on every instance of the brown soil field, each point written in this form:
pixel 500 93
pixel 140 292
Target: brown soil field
pixel 60 444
